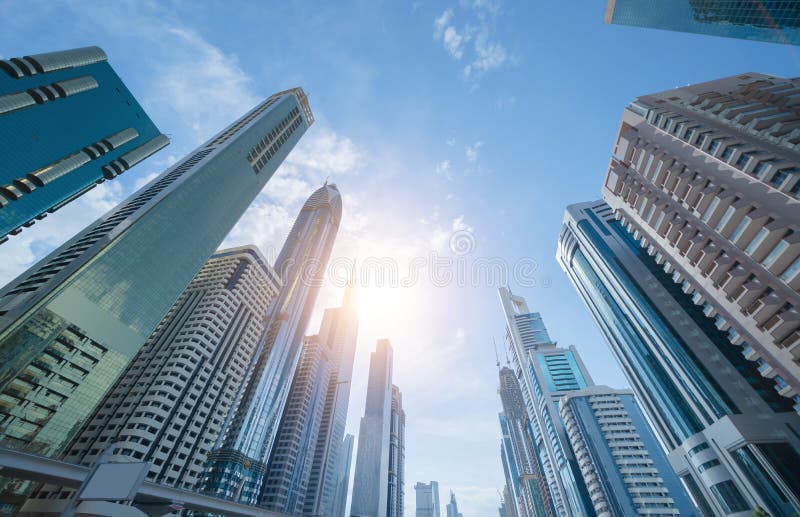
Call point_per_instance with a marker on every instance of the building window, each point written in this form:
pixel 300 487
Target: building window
pixel 739 229
pixel 761 168
pixel 728 152
pixel 715 145
pixel 729 497
pixel 697 448
pixel 757 240
pixel 725 218
pixel 742 161
pixel 707 465
pixel 791 272
pixel 775 253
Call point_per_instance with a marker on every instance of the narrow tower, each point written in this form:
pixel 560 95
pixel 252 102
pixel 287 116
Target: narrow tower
pixel 371 481
pixel 236 467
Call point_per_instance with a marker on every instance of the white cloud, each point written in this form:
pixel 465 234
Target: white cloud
pixel 443 168
pixel 200 83
pixel 325 151
pixel 144 180
pixel 471 151
pixel 440 23
pixel 451 141
pixel 454 42
pixel 486 55
pixel 264 224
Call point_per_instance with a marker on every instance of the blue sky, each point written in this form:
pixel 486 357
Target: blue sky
pixel 482 119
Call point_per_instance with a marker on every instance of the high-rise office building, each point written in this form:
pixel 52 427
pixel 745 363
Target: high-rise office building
pixel 397 456
pixel 427 499
pixel 775 21
pixel 730 436
pixel 371 479
pixel 531 497
pixel 338 505
pixel 314 418
pixel 510 471
pixel 546 372
pixel 289 465
pixel 709 176
pixel 236 468
pixel 452 507
pixel 622 463
pixel 169 406
pixel 325 477
pixel 70 324
pixel 67 123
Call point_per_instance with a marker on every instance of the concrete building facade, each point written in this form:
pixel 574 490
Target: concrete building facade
pixel 623 465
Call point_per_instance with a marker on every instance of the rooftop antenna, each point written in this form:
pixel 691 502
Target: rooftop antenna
pixel 326 180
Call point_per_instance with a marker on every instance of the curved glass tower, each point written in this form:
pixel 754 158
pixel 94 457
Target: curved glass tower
pixel 236 468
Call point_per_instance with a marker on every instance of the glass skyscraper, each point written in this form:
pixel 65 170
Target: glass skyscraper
pixel 303 479
pixel 730 436
pixel 775 21
pixel 236 468
pixel 195 361
pixel 67 123
pixel 70 324
pixel 330 450
pixel 371 480
pixel 427 499
pixel 397 456
pixel 546 372
pixel 531 496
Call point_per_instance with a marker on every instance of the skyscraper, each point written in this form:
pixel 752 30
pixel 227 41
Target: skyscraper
pixel 622 463
pixel 427 499
pixel 67 123
pixel 708 176
pixel 289 465
pixel 452 507
pixel 397 455
pixel 338 506
pixel 510 470
pixel 237 466
pixel 70 324
pixel 371 480
pixel 531 497
pixel 546 372
pixel 730 436
pixel 310 435
pixel 325 471
pixel 169 406
pixel 776 21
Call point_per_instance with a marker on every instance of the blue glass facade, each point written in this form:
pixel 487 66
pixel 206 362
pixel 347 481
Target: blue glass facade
pixel 690 380
pixel 69 324
pixel 67 123
pixel 776 21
